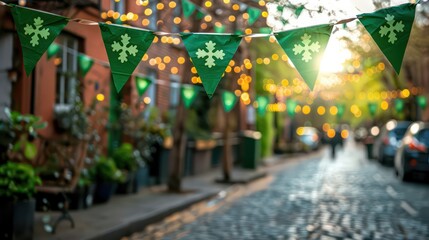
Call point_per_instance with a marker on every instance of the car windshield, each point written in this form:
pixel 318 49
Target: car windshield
pixel 398 133
pixel 423 136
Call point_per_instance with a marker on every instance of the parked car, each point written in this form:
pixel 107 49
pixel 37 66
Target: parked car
pixel 413 155
pixel 308 138
pixel 388 140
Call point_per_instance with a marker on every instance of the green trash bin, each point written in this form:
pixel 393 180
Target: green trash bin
pixel 250 149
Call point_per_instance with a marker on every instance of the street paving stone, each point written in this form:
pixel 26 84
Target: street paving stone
pixel 342 198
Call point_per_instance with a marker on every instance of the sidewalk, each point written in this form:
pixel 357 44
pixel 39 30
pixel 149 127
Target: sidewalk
pixel 126 214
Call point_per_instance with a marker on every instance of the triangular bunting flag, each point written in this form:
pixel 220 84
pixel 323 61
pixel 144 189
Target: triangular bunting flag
pixel 262 104
pixel 36 31
pixel 210 54
pixel 341 110
pixel 219 28
pixel 200 14
pixel 305 48
pixel 142 84
pixel 298 10
pixel 53 49
pixel 422 101
pixel 125 48
pixel 228 100
pixel 372 107
pixel 85 64
pixel 291 106
pixel 390 28
pixel 189 93
pixel 399 105
pixel 254 14
pixel 188 8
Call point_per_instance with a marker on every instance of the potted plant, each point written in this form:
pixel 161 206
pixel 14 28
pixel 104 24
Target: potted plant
pixel 199 147
pixel 126 161
pixel 17 136
pixel 17 205
pixel 83 195
pixel 107 176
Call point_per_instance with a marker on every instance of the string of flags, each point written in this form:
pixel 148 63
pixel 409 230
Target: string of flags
pixel 211 52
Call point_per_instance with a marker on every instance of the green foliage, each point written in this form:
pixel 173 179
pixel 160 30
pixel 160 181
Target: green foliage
pixel 73 120
pixel 17 181
pixel 124 157
pixel 87 176
pixel 17 134
pixel 193 127
pixel 106 171
pixel 147 130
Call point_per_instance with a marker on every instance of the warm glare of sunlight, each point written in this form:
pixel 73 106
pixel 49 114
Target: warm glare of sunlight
pixel 335 55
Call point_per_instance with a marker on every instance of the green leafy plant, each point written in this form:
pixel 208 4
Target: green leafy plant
pixel 124 157
pixel 17 181
pixel 106 171
pixel 17 134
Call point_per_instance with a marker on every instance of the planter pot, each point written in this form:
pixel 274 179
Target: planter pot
pixel 17 219
pixel 198 157
pixel 159 167
pixel 89 196
pixel 127 186
pixel 141 179
pixel 82 197
pixel 103 191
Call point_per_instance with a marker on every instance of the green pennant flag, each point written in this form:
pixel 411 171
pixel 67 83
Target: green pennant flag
pixel 85 64
pixel 422 101
pixel 341 110
pixel 372 107
pixel 399 105
pixel 53 49
pixel 189 93
pixel 290 107
pixel 210 54
pixel 219 29
pixel 142 84
pixel 125 48
pixel 254 14
pixel 188 8
pixel 305 48
pixel 262 104
pixel 200 14
pixel 390 28
pixel 228 100
pixel 266 30
pixel 298 10
pixel 36 31
pixel 238 32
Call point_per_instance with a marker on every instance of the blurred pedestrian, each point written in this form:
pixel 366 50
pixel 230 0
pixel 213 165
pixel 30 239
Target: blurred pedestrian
pixel 336 140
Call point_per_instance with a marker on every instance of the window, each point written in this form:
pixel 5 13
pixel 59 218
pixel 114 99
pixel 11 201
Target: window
pixel 177 12
pixel 174 90
pixel 153 18
pixel 118 6
pixel 67 70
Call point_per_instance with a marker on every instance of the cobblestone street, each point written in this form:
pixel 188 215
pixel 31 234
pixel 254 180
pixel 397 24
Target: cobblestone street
pixel 321 198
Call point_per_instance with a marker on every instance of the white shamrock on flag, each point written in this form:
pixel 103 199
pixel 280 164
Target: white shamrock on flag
pixel 124 50
pixel 307 48
pixel 391 28
pixel 211 54
pixel 36 30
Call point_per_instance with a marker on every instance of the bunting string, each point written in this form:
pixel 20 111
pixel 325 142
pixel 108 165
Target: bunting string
pixel 162 33
pixel 211 52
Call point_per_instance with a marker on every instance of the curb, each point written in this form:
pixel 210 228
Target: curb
pixel 139 224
